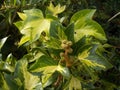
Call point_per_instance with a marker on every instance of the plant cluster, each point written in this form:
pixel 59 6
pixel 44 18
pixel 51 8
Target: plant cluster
pixel 42 50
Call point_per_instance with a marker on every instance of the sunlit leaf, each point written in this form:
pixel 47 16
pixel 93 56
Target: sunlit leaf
pixel 41 67
pixel 19 25
pixel 33 25
pixel 5 66
pixel 64 71
pixel 83 14
pixel 53 43
pixel 84 52
pixel 47 66
pixel 92 64
pixel 48 79
pixel 33 30
pixel 29 80
pixel 35 13
pixel 93 59
pixel 85 26
pixel 56 9
pixel 74 84
pixel 22 15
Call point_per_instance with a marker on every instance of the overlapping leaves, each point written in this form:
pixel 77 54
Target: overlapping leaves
pixel 92 58
pixel 86 36
pixel 48 66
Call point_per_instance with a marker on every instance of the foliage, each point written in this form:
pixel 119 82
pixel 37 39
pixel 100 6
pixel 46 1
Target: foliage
pixel 40 50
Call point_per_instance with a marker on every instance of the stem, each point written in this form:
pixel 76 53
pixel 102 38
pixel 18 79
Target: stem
pixel 67 59
pixel 114 16
pixel 58 81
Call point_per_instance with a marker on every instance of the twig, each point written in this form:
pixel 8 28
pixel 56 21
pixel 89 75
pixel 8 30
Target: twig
pixel 114 16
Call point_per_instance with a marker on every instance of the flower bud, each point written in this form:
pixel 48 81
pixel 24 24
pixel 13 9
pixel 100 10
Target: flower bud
pixel 69 43
pixel 64 41
pixel 62 54
pixel 64 46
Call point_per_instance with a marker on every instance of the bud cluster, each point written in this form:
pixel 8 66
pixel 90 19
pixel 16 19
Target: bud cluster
pixel 66 45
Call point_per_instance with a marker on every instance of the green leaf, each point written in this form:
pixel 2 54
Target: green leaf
pixel 64 71
pixel 47 66
pixel 29 80
pixel 3 84
pixel 1 65
pixel 69 31
pixel 54 29
pixel 92 64
pixel 34 13
pixel 74 84
pixel 48 81
pixel 81 48
pixel 78 45
pixel 10 80
pixel 22 15
pixel 33 30
pixel 53 43
pixel 42 50
pixel 5 66
pixel 94 59
pixel 57 30
pixel 100 60
pixel 19 24
pixel 56 10
pixel 84 53
pixel 44 63
pixel 20 69
pixel 85 26
pixel 83 14
pixel 91 68
pixel 32 25
pixel 89 28
pixel 98 56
